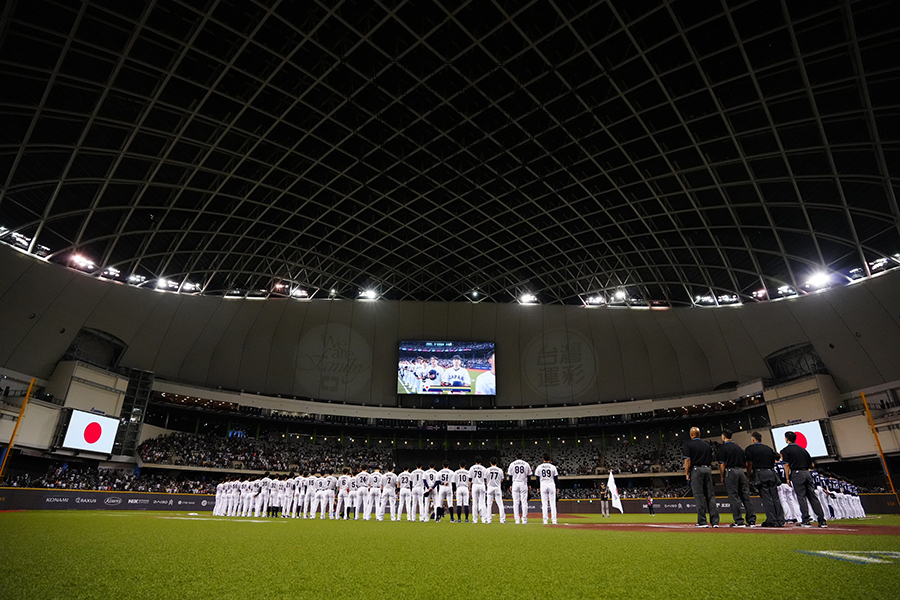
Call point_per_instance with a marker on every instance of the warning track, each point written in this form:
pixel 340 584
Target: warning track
pixel 786 530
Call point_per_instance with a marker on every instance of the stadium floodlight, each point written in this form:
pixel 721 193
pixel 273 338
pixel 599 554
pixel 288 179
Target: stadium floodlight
pixel 704 299
pixel 857 273
pixel 595 300
pixel 83 263
pixel 819 280
pixel 299 293
pixel 369 294
pixel 621 295
pixel 760 294
pixel 136 279
pixel 189 286
pixel 728 299
pixel 528 299
pixel 786 290
pixel 110 273
pixel 474 293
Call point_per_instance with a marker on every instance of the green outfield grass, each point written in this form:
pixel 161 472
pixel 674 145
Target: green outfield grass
pixel 125 555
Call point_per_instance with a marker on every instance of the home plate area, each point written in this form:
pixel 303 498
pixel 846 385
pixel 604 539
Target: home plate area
pixel 786 530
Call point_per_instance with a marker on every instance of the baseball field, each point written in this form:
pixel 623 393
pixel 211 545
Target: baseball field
pixel 106 554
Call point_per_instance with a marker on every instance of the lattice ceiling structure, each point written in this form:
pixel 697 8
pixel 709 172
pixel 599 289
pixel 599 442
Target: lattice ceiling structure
pixel 427 149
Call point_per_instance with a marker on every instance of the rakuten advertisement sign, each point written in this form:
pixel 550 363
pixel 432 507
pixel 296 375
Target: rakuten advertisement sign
pixel 91 432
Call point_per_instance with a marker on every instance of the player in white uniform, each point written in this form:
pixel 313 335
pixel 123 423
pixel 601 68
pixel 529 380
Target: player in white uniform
pixel 362 492
pixel 309 501
pixel 374 500
pixel 419 375
pixel 220 498
pixel 246 498
pixel 404 480
pixel 486 383
pixel 328 495
pixel 278 486
pixel 457 376
pixel 418 493
pixel 519 471
pixel 548 476
pixel 444 492
pixel 232 498
pixel 388 495
pixel 288 499
pixel 354 495
pixel 430 492
pixel 342 508
pixel 495 477
pixel 461 482
pixel 478 476
pixel 434 376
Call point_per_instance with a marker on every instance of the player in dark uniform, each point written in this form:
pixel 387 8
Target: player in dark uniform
pixel 760 460
pixel 604 500
pixel 797 465
pixel 698 470
pixel 731 468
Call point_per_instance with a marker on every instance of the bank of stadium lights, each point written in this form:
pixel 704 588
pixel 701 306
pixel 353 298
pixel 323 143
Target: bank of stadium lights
pixel 82 263
pixel 136 279
pixel 596 300
pixel 368 294
pixel 786 290
pixel 110 273
pixel 22 242
pixel 528 299
pixel 818 281
pixel 760 294
pixel 299 293
pixel 166 284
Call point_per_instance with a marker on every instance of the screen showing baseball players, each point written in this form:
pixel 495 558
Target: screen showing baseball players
pixel 427 367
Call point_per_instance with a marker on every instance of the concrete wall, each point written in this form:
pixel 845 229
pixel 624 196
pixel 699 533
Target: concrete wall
pixel 291 347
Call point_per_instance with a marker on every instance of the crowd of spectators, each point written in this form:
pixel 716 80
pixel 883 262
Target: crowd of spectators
pixel 63 477
pixel 275 453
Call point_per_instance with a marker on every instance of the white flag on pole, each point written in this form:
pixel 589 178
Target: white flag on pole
pixel 614 493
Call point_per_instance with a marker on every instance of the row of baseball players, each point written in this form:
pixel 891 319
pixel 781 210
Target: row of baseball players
pixel 422 492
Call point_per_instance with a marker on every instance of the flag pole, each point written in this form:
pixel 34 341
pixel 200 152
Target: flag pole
pixel 884 464
pixel 12 439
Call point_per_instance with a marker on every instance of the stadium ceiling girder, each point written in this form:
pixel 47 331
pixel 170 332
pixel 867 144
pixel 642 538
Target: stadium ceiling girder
pixel 557 148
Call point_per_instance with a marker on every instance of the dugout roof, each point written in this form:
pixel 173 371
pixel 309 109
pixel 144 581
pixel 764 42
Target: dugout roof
pixel 426 149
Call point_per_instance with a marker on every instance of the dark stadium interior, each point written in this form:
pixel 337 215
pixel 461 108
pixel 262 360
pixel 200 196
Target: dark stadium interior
pixel 689 152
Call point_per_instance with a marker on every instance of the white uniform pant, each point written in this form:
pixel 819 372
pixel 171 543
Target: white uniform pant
pixel 494 494
pixel 388 499
pixel 246 503
pixel 234 502
pixel 343 504
pixel 218 505
pixel 548 500
pixel 356 503
pixel 326 502
pixel 405 502
pixel 789 502
pixel 462 497
pixel 418 502
pixel 520 502
pixel 265 495
pixel 444 494
pixel 296 502
pixel 257 505
pixel 478 503
pixel 371 503
pixel 310 504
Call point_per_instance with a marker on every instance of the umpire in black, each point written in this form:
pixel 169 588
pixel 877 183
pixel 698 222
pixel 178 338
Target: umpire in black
pixel 731 469
pixel 797 463
pixel 761 461
pixel 698 470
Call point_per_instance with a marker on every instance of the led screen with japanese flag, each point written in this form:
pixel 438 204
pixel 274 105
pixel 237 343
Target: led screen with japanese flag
pixel 91 432
pixel 809 436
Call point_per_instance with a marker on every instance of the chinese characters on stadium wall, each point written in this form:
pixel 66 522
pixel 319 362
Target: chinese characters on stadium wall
pixel 560 364
pixel 333 361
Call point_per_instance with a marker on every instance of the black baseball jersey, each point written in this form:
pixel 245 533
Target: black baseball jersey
pixel 761 456
pixel 731 455
pixel 699 452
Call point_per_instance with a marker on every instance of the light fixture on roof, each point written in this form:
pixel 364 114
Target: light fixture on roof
pixel 818 281
pixel 704 299
pixel 528 299
pixel 110 273
pixel 299 293
pixel 621 295
pixel 136 279
pixel 728 299
pixel 189 286
pixel 760 294
pixel 857 273
pixel 786 290
pixel 83 263
pixel 595 300
pixel 369 294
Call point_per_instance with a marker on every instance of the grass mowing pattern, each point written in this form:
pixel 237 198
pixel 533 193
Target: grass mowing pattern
pixel 100 554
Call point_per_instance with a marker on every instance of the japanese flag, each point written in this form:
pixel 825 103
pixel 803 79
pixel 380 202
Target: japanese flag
pixel 614 493
pixel 91 432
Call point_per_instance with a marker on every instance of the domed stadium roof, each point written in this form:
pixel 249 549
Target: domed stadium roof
pixel 641 152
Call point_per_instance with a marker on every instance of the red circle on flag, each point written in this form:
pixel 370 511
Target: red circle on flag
pixel 801 439
pixel 92 432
